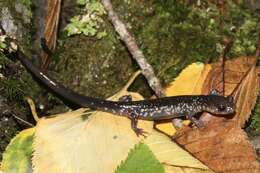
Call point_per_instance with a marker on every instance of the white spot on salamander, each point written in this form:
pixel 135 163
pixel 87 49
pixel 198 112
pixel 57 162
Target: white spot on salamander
pixel 51 82
pixel 145 114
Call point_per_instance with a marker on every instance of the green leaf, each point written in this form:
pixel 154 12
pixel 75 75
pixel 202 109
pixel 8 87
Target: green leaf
pixel 17 156
pixel 255 122
pixel 101 34
pixel 81 2
pixel 2 45
pixel 97 7
pixel 89 23
pixel 75 20
pixel 141 160
pixel 89 31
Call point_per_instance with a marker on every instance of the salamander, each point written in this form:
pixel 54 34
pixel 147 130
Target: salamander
pixel 155 109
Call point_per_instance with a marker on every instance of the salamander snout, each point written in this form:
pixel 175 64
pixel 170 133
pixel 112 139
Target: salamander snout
pixel 221 105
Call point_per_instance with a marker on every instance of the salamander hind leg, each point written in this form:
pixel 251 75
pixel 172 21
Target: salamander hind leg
pixel 134 121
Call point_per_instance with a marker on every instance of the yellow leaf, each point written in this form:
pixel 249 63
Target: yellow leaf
pixel 189 82
pixel 172 156
pixel 73 142
pixel 171 169
pixel 17 156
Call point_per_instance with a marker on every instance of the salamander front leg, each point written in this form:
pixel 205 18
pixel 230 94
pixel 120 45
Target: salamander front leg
pixel 138 131
pixel 195 121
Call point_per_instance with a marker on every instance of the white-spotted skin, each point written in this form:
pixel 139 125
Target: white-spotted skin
pixel 171 107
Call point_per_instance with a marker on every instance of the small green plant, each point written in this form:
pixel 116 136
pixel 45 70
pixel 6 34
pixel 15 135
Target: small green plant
pixel 255 123
pixel 27 3
pixel 2 46
pixel 2 43
pixel 89 23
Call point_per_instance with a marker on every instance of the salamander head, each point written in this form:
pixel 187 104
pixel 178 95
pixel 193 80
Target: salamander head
pixel 220 105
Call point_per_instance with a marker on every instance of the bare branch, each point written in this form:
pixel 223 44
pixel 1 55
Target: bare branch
pixel 137 54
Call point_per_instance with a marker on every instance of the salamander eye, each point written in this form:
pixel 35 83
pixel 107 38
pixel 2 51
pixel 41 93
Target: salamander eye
pixel 222 108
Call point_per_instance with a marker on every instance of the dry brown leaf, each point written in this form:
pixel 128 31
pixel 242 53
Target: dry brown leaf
pixel 240 75
pixel 51 28
pixel 68 144
pixel 222 147
pixel 222 144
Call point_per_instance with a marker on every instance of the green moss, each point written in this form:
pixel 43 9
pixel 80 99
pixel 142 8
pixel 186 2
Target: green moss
pixel 171 40
pixel 94 67
pixel 14 89
pixel 178 34
pixel 2 60
pixel 27 3
pixel 254 126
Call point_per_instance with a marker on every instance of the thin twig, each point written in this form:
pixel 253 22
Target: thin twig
pixel 228 45
pixel 51 29
pixel 22 120
pixel 7 110
pixel 137 54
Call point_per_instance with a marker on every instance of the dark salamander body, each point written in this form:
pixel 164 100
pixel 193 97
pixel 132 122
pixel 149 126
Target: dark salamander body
pixel 172 107
pixel 157 109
